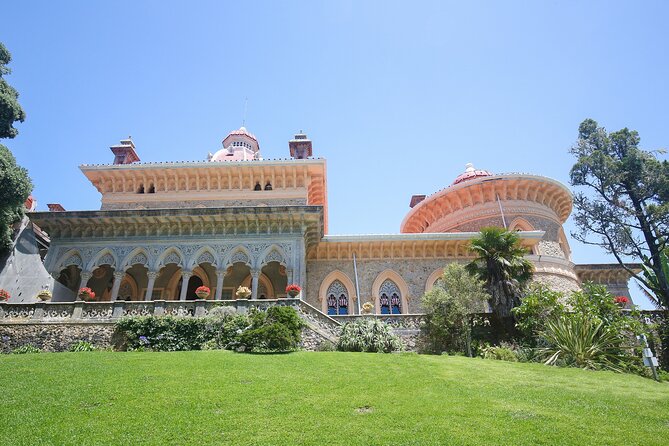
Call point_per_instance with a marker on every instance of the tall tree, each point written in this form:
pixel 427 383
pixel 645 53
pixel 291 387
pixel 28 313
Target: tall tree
pixel 627 209
pixel 10 109
pixel 502 266
pixel 15 185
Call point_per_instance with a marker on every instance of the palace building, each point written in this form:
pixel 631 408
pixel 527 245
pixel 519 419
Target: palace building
pixel 237 219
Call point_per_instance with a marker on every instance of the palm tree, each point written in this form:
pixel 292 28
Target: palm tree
pixel 502 266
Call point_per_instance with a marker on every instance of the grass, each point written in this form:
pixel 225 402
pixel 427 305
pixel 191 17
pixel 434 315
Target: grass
pixel 218 397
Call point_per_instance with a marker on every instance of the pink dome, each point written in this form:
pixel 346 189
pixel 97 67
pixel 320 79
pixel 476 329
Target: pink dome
pixel 241 132
pixel 470 173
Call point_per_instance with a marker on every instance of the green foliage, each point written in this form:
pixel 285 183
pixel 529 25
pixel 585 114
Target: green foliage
pixel 447 308
pixel 279 329
pixel 27 348
pixel 578 341
pixel 539 304
pixel 627 212
pixel 368 335
pixel 163 333
pixel 499 353
pixel 82 346
pixel 15 186
pixel 501 264
pixel 10 110
pixel 326 346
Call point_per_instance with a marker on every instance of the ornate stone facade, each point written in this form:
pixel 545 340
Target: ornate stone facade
pixel 237 219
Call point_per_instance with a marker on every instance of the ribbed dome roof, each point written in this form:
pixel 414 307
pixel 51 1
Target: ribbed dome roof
pixel 470 173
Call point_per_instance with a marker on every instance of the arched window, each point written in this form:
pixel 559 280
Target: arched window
pixel 152 189
pixel 257 187
pixel 337 298
pixel 390 298
pixel 141 189
pixel 268 186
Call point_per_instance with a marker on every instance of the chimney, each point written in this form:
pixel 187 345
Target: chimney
pixel 55 207
pixel 124 153
pixel 415 199
pixel 300 146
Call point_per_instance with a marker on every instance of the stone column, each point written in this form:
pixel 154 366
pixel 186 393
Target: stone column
pixel 153 275
pixel 85 277
pixel 289 276
pixel 219 284
pixel 255 274
pixel 118 277
pixel 185 275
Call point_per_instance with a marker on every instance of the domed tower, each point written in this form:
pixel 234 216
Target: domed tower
pixel 239 145
pixel 517 201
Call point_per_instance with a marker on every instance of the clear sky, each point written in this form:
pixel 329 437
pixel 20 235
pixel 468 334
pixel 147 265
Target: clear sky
pixel 397 96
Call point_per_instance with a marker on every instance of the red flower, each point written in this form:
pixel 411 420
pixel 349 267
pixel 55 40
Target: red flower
pixel 621 300
pixel 202 289
pixel 294 288
pixel 86 293
pixel 4 295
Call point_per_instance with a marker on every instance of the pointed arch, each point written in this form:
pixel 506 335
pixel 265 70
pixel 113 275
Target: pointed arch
pixel 273 253
pixel 391 275
pixel 105 256
pixel 71 257
pixel 239 254
pixel 170 255
pixel 206 254
pixel 138 256
pixel 432 279
pixel 564 244
pixel 263 282
pixel 520 224
pixel 328 280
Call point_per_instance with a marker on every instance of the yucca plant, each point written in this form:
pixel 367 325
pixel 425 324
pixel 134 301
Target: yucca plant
pixel 368 335
pixel 578 342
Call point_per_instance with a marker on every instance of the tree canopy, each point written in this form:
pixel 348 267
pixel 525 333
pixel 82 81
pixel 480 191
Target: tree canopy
pixel 626 209
pixel 502 266
pixel 15 185
pixel 10 109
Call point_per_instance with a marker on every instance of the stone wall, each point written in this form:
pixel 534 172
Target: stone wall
pixel 54 337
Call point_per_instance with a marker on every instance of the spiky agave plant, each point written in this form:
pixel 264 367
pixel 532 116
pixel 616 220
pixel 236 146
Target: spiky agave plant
pixel 578 342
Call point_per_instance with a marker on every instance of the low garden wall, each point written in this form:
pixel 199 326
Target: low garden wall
pixel 55 326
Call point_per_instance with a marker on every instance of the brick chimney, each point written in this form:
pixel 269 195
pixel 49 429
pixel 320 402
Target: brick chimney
pixel 125 152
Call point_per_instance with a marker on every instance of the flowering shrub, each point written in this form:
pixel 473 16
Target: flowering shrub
pixel 621 300
pixel 202 291
pixel 4 295
pixel 243 292
pixel 293 289
pixel 86 293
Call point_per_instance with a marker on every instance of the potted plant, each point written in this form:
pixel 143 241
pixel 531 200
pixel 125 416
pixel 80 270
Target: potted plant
pixel 243 292
pixel 4 295
pixel 367 307
pixel 293 290
pixel 202 292
pixel 44 295
pixel 86 294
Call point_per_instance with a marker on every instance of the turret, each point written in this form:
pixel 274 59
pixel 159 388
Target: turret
pixel 300 146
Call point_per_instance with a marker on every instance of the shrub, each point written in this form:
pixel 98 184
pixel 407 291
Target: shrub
pixel 82 346
pixel 537 307
pixel 27 348
pixel 163 333
pixel 500 353
pixel 326 346
pixel 279 329
pixel 582 342
pixel 447 309
pixel 368 335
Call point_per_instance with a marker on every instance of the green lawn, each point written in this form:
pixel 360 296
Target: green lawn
pixel 217 397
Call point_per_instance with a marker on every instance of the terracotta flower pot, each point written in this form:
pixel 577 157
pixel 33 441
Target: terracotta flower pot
pixel 202 294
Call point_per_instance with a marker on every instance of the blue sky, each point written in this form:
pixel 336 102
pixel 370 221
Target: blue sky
pixel 397 96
